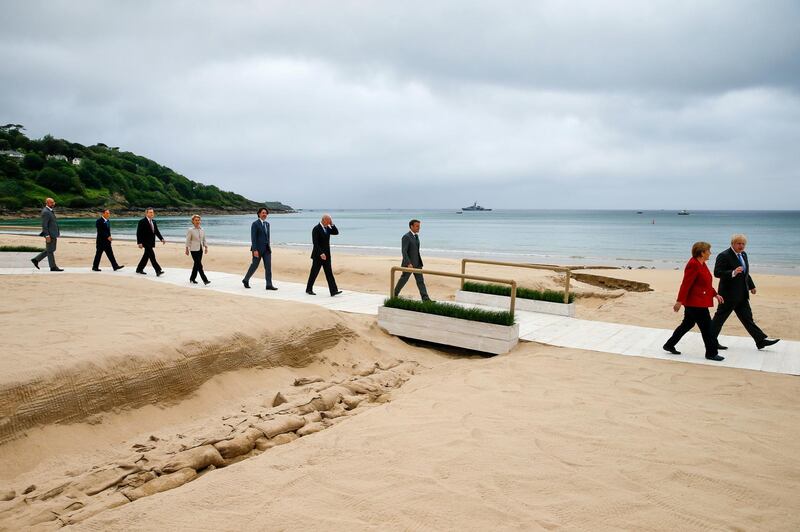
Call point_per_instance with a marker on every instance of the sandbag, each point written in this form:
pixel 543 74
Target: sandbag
pixel 97 481
pixel 279 399
pixel 311 428
pixel 163 483
pixel 280 425
pixel 197 458
pixel 96 506
pixel 240 444
pixel 302 381
pixel 324 400
pixel 262 444
pixel 336 411
pixel 352 401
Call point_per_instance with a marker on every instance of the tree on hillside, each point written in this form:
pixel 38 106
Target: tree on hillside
pixel 60 178
pixel 33 161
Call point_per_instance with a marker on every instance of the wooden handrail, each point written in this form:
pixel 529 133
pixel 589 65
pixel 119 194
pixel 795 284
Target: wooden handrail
pixel 461 276
pixel 567 270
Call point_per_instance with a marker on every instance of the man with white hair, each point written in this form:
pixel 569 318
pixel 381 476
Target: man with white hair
pixel 732 268
pixel 321 255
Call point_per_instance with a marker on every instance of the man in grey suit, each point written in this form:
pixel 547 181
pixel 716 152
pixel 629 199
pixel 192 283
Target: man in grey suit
pixel 50 233
pixel 411 259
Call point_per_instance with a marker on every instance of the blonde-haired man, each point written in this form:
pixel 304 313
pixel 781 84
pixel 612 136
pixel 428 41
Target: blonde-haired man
pixel 732 268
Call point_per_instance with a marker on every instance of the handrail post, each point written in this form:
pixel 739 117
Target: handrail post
pixel 391 282
pixel 463 271
pixel 513 297
pixel 567 274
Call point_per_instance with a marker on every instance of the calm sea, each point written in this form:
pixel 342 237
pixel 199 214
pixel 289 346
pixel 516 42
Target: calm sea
pixel 660 239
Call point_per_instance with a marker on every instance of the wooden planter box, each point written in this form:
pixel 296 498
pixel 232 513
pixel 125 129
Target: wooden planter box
pixel 531 305
pixel 475 335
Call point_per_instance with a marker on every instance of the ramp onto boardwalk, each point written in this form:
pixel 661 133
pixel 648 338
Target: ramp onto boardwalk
pixel 620 339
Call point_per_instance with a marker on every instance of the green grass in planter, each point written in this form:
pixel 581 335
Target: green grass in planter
pixel 497 317
pixel 553 296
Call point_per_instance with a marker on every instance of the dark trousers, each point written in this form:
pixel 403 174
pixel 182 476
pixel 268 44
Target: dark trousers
pixel 267 258
pixel 423 292
pixel 197 257
pixel 702 317
pixel 745 315
pixel 316 264
pixel 149 254
pixel 104 247
pixel 49 252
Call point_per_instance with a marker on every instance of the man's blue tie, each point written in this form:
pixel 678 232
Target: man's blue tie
pixel 741 261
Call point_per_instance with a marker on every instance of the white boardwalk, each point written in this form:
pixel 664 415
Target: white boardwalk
pixel 784 357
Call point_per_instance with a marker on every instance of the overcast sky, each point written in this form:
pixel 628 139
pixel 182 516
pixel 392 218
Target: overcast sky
pixel 405 104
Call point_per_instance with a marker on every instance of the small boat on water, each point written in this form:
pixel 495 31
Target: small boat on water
pixel 475 207
pixel 684 212
pixel 639 212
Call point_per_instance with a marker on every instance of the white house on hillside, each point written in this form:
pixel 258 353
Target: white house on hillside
pixel 14 154
pixel 76 161
pixel 57 157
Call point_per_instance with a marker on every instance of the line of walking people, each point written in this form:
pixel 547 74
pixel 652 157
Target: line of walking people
pixel 696 294
pixel 147 232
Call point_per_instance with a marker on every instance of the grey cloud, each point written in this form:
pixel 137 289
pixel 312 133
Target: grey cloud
pixel 324 104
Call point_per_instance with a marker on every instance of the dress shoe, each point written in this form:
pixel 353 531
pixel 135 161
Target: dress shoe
pixel 310 292
pixel 670 349
pixel 722 347
pixel 96 270
pixel 246 284
pixel 206 283
pixel 716 358
pixel 35 263
pixel 159 273
pixel 336 293
pixel 62 269
pixel 141 272
pixel 766 342
pixel 118 267
pixel 271 288
pixel 192 281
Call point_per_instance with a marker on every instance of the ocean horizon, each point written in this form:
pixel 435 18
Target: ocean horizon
pixel 659 239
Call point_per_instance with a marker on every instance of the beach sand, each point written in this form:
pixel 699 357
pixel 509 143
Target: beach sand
pixel 541 438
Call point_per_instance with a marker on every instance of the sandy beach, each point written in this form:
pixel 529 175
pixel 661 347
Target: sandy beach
pixel 412 438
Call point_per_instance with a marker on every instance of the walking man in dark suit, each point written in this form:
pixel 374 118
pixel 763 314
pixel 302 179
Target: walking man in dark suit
pixel 146 233
pixel 735 285
pixel 321 255
pixel 50 233
pixel 411 259
pixel 103 243
pixel 260 248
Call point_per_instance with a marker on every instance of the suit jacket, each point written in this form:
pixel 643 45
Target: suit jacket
pixel 410 248
pixel 737 288
pixel 697 288
pixel 49 224
pixel 259 237
pixel 146 236
pixel 103 231
pixel 321 238
pixel 195 239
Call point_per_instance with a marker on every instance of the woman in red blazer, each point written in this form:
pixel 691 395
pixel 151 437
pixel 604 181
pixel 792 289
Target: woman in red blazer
pixel 696 295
